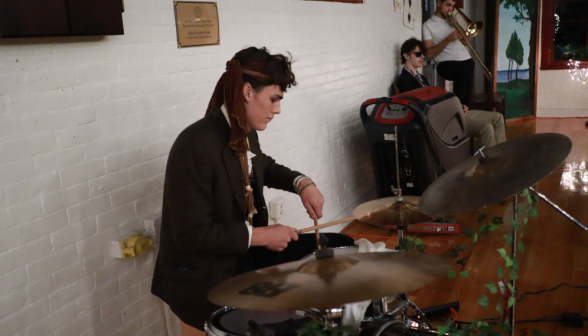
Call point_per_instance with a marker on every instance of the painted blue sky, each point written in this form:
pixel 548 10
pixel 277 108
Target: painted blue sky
pixel 505 28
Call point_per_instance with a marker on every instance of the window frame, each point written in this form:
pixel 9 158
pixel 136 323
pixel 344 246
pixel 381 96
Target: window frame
pixel 547 34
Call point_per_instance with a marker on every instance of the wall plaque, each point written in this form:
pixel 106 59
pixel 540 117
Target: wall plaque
pixel 196 23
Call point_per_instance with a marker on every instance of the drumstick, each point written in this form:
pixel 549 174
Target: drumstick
pixel 317 234
pixel 322 226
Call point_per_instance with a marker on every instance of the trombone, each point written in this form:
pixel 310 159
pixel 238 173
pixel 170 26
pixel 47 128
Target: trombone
pixel 473 29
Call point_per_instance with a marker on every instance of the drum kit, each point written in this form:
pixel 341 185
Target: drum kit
pixel 278 300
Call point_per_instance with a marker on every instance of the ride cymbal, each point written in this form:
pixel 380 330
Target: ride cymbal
pixel 503 170
pixel 387 212
pixel 329 282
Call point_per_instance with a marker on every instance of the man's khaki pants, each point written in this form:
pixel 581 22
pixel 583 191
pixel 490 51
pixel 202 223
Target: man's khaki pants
pixel 487 128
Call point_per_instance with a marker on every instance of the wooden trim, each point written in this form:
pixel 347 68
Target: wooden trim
pixel 547 34
pixel 515 120
pixel 537 52
pixel 496 25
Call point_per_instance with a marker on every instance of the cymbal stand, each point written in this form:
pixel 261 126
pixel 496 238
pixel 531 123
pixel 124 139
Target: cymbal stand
pixel 513 252
pixel 404 303
pixel 558 208
pixel 511 317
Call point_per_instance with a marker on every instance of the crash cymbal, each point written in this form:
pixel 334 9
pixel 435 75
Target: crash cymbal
pixel 329 282
pixel 387 212
pixel 505 169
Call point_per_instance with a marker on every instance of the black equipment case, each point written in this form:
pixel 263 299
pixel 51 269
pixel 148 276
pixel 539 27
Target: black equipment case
pixel 432 138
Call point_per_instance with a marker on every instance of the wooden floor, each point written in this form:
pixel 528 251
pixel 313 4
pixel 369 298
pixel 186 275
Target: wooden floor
pixel 556 248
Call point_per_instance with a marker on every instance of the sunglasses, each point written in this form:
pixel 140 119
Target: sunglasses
pixel 417 53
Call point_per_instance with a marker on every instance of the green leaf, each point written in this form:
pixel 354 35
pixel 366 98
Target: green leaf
pixel 509 262
pixel 499 272
pixel 521 246
pixel 521 209
pixel 502 252
pixel 421 248
pixel 482 324
pixel 442 330
pixel 481 218
pixel 505 326
pixel 526 221
pixel 451 274
pixel 461 247
pixel 513 274
pixel 453 253
pixel 464 274
pixel 537 332
pixel 410 239
pixel 530 199
pixel 497 220
pixel 511 287
pixel 533 212
pixel 516 224
pixel 493 227
pixel 508 238
pixel 475 237
pixel 468 232
pixel 511 301
pixel 418 241
pixel 492 287
pixel 499 308
pixel 526 192
pixel 483 301
pixel 485 229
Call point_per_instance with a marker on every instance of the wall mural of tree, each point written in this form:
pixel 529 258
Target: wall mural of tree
pixel 516 53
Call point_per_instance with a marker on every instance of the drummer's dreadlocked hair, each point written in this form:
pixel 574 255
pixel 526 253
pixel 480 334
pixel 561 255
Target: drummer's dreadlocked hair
pixel 259 68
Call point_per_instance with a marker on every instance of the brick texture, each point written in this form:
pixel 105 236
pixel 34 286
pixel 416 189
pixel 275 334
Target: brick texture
pixel 86 125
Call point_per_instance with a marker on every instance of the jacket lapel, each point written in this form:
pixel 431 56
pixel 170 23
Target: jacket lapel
pixel 231 161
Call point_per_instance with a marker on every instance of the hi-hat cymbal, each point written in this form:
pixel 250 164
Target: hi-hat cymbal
pixel 506 169
pixel 329 282
pixel 388 212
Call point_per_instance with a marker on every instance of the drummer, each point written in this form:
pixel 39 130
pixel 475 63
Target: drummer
pixel 215 220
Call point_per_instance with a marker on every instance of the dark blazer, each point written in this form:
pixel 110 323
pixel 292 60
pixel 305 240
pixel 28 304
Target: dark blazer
pixel 407 82
pixel 203 228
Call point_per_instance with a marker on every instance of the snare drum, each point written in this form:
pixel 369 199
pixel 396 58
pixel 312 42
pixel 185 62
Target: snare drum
pixel 339 251
pixel 236 322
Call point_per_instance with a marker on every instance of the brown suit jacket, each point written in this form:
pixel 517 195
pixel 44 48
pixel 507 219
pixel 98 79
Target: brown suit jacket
pixel 203 228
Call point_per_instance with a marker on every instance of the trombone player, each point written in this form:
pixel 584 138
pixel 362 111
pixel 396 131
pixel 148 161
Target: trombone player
pixel 442 42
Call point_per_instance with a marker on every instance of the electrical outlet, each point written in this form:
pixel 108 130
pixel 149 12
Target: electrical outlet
pixel 276 208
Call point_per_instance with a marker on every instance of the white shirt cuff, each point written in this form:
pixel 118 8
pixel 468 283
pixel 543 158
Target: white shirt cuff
pixel 250 229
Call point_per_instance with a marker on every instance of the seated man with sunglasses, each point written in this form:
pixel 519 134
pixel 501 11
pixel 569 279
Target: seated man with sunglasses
pixel 487 127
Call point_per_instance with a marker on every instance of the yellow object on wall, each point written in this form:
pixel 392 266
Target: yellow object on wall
pixel 135 246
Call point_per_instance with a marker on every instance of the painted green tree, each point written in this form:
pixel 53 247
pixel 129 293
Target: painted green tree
pixel 518 58
pixel 526 12
pixel 510 54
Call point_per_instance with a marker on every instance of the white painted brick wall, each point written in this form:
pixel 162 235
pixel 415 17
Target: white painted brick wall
pixel 86 125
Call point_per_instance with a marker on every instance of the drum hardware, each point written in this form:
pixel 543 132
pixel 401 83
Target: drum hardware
pixel 562 211
pixel 404 303
pixel 521 162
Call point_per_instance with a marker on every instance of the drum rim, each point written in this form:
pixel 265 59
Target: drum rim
pixel 212 330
